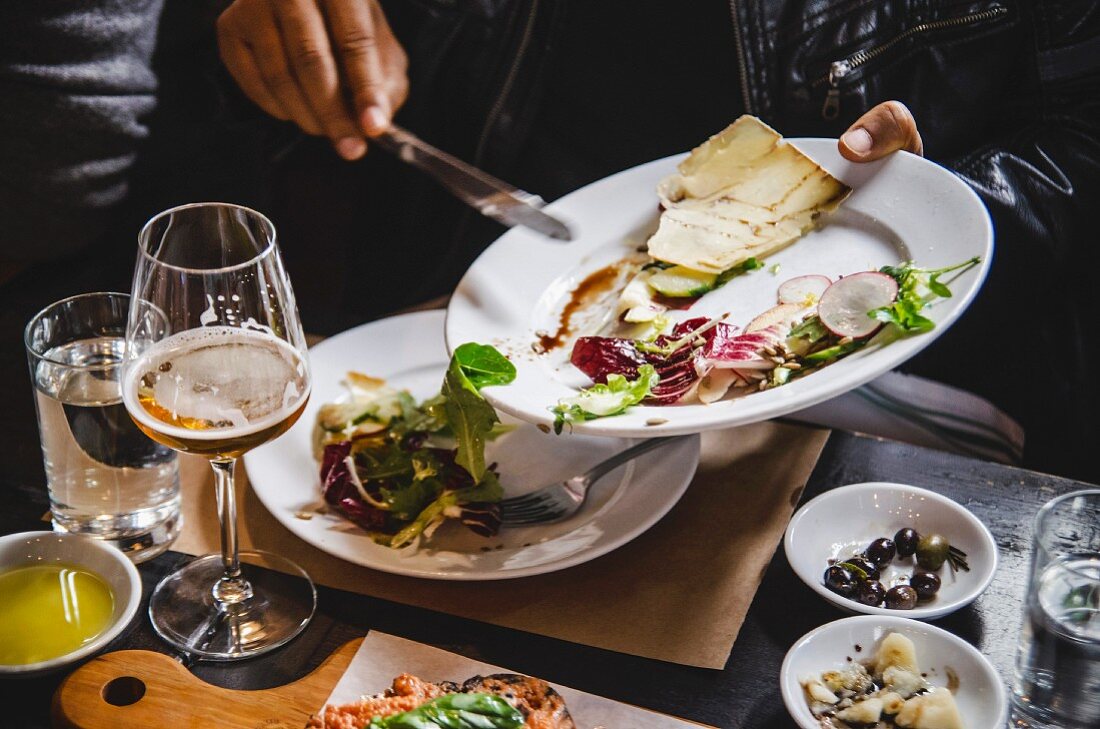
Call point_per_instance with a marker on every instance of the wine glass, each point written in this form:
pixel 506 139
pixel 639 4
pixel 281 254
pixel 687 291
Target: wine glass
pixel 216 365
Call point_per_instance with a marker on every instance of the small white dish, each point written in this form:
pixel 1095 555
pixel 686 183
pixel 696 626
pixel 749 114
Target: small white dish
pixel 981 695
pixel 27 549
pixel 845 520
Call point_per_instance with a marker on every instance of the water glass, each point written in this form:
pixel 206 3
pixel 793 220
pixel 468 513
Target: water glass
pixel 106 478
pixel 1057 681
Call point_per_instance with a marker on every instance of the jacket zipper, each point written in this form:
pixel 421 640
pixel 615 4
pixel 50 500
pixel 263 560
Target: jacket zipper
pixel 839 70
pixel 509 81
pixel 742 65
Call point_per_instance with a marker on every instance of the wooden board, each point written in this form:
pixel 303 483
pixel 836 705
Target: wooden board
pixel 160 692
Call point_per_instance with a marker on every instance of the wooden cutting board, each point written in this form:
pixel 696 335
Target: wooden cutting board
pixel 147 690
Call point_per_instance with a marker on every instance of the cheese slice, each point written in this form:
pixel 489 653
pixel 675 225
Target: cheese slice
pixel 743 193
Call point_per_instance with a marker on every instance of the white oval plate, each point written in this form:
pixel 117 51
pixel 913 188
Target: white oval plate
pixel 843 521
pixel 981 695
pixel 903 207
pixel 408 351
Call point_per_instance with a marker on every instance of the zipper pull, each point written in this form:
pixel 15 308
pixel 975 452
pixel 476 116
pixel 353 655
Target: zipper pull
pixel 837 71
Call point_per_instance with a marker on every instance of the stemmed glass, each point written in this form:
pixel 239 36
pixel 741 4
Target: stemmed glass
pixel 216 365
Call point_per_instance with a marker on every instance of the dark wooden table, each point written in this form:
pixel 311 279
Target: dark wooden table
pixel 744 694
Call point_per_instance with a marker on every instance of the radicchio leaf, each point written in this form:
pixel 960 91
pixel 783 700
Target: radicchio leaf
pixel 482 518
pixel 599 357
pixel 339 490
pixel 336 482
pixel 363 514
pixel 739 351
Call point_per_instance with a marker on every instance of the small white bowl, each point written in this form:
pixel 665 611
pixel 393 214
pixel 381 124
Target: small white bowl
pixel 981 695
pixel 843 521
pixel 40 548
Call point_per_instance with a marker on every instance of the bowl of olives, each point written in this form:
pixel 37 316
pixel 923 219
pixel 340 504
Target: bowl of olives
pixel 891 549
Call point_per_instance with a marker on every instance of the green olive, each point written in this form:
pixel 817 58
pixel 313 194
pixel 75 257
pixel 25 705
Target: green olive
pixel 932 551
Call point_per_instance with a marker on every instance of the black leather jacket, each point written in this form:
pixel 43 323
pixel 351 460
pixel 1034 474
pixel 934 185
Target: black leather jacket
pixel 1005 92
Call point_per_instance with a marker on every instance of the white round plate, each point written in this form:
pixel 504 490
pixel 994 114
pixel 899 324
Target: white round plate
pixel 842 522
pixel 901 208
pixel 408 352
pixel 981 696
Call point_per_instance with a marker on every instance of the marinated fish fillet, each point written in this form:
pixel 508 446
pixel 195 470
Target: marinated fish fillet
pixel 541 706
pixel 743 193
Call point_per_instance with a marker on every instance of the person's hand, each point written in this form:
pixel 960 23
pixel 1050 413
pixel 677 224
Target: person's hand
pixel 886 128
pixel 332 67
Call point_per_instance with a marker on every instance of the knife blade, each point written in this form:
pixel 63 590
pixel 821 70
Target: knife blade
pixel 491 197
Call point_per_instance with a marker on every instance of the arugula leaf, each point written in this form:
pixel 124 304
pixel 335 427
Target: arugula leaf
pixel 456 711
pixel 483 365
pixel 600 401
pixel 470 417
pixel 917 287
pixel 408 501
pixel 382 460
pixel 488 489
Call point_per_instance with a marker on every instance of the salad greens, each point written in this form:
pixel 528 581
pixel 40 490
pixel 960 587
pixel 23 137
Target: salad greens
pixel 471 418
pixel 603 400
pixel 777 347
pixel 399 469
pixel 456 711
pixel 916 288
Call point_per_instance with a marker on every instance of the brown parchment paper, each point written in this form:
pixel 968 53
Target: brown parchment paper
pixel 645 598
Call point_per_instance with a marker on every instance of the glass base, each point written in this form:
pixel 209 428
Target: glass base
pixel 185 613
pixel 140 535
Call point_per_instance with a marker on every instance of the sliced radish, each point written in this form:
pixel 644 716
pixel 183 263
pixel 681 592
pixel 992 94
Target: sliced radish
pixel 803 290
pixel 783 315
pixel 844 306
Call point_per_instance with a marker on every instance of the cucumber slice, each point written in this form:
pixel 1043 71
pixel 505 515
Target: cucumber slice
pixel 679 281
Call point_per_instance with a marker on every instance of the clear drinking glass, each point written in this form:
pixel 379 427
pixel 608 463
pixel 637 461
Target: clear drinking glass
pixel 1057 682
pixel 106 479
pixel 227 371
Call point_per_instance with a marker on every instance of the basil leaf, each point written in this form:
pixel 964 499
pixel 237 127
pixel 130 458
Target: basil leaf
pixel 600 401
pixel 456 711
pixel 483 365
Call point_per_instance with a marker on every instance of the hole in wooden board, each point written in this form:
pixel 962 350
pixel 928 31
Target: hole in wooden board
pixel 123 691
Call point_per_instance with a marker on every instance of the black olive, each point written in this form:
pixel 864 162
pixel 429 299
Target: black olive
pixel 869 568
pixel 902 597
pixel 871 592
pixel 881 552
pixel 926 584
pixel 840 581
pixel 932 552
pixel 906 542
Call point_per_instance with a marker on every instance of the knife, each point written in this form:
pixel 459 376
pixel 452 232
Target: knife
pixel 483 192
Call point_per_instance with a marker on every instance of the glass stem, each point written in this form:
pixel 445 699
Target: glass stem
pixel 231 588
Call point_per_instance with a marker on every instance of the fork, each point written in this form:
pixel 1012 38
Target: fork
pixel 561 500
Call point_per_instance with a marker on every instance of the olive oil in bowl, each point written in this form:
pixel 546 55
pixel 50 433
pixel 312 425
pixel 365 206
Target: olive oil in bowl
pixel 49 610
